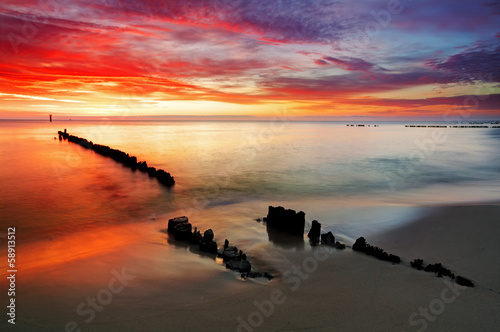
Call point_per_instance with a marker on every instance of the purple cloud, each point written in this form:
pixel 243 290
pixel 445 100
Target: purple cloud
pixel 480 62
pixel 352 64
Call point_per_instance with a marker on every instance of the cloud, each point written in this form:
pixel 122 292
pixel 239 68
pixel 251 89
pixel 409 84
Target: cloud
pixel 352 64
pixel 484 102
pixel 241 51
pixel 282 21
pixel 353 83
pixel 321 62
pixel 479 62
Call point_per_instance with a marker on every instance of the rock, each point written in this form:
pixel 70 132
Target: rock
pixel 182 231
pixel 339 245
pixel 328 239
pixel 239 265
pixel 165 178
pixel 176 221
pixel 252 275
pixel 151 171
pixel 195 237
pixel 210 246
pixel 230 253
pixel 208 236
pixel 417 264
pixel 464 281
pixel 394 259
pixel 314 232
pixel 362 246
pixel 359 245
pixel 286 220
pixel 439 269
pixel 119 156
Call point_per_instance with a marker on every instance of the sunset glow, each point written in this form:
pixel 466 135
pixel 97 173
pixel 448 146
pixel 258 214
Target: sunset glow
pixel 340 60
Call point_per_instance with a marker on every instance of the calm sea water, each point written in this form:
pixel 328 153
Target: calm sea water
pixel 79 215
pixel 337 174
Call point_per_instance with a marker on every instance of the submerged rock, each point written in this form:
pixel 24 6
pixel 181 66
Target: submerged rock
pixel 417 264
pixel 121 157
pixel 210 246
pixel 314 232
pixel 239 265
pixel 196 236
pixel 176 221
pixel 394 259
pixel 230 253
pixel 359 245
pixel 208 235
pixel 286 220
pixel 182 232
pixel 339 245
pixel 253 274
pixel 464 281
pixel 328 239
pixel 362 246
pixel 440 270
pixel 235 259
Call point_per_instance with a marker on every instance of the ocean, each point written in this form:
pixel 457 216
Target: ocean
pixel 79 215
pixel 328 170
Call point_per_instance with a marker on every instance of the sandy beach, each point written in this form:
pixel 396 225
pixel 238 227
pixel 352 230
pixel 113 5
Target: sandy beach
pixel 318 288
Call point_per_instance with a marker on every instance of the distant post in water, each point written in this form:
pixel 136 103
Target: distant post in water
pixel 50 116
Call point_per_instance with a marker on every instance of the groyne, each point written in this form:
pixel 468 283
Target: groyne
pixel 121 157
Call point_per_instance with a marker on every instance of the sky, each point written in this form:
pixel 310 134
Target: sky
pixel 310 59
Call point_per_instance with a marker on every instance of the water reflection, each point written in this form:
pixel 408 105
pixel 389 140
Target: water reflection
pixel 284 240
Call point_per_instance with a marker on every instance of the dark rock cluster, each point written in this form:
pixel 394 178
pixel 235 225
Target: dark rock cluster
pixel 328 239
pixel 234 259
pixel 293 223
pixel 181 228
pixel 417 264
pixel 286 220
pixel 119 156
pixel 362 246
pixel 440 271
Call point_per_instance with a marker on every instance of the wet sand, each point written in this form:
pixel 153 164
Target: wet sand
pixel 317 289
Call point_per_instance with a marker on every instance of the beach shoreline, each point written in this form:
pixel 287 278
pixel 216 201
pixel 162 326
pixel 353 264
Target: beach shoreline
pixel 319 288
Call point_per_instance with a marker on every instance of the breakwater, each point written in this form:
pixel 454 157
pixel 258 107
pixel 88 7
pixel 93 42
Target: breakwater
pixel 121 157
